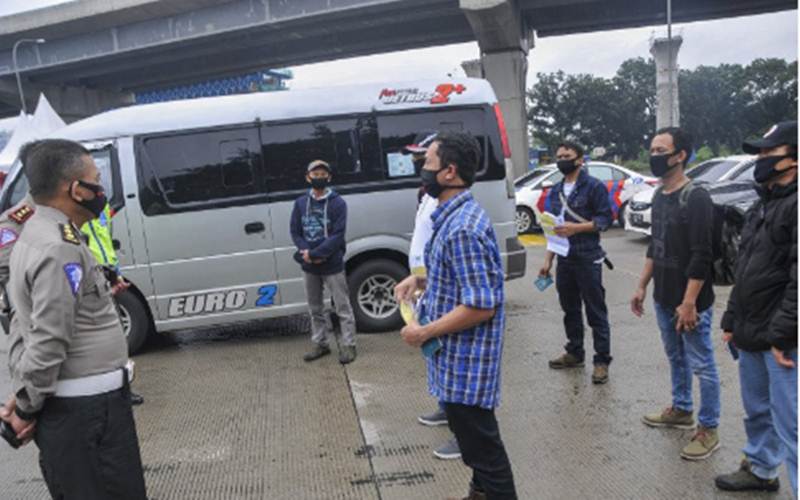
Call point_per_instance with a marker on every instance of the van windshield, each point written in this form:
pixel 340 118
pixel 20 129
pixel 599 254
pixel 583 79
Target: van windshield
pixel 19 186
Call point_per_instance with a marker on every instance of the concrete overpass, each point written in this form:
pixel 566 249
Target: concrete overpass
pixel 100 51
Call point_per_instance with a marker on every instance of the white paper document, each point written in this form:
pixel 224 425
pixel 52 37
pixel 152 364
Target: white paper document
pixel 555 243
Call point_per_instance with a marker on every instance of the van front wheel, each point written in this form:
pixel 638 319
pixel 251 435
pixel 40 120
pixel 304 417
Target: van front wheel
pixel 372 295
pixel 134 319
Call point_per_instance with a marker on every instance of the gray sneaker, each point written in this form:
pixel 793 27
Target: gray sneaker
pixel 347 354
pixel 433 419
pixel 316 352
pixel 448 451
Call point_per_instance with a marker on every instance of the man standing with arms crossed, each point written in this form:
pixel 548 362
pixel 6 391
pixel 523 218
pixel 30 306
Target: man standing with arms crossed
pixel 679 260
pixel 463 308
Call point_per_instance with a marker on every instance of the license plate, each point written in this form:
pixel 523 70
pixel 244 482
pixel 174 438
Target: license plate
pixel 637 218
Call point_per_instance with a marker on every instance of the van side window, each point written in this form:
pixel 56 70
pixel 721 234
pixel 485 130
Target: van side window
pixel 198 168
pixel 398 130
pixel 289 148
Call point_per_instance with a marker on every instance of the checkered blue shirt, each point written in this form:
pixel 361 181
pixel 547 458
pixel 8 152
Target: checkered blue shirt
pixel 464 267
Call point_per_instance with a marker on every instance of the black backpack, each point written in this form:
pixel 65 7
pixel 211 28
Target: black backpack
pixel 726 236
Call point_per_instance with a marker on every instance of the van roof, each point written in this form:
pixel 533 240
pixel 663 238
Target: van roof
pixel 275 106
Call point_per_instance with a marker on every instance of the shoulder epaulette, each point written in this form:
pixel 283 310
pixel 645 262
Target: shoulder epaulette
pixel 68 234
pixel 21 214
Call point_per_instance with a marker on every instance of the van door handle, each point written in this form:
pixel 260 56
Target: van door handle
pixel 254 227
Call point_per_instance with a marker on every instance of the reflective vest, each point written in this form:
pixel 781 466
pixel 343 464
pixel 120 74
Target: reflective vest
pixel 99 233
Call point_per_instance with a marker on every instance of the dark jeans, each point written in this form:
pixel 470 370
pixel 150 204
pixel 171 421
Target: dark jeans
pixel 482 450
pixel 581 283
pixel 88 448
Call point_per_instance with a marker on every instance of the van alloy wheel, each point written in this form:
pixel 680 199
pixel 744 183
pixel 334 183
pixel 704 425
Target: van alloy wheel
pixel 376 296
pixel 125 319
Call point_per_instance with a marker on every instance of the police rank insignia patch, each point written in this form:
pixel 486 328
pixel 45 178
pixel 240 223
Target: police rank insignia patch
pixel 21 214
pixel 74 273
pixel 7 237
pixel 68 234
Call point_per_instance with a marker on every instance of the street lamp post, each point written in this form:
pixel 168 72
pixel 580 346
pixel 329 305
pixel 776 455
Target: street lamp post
pixel 16 68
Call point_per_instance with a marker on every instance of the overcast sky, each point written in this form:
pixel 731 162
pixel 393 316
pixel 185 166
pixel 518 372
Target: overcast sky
pixel 733 40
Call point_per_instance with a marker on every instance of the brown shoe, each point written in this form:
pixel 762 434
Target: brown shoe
pixel 600 374
pixel 670 417
pixel 566 360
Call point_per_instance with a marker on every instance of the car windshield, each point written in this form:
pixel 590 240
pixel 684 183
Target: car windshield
pixel 531 177
pixel 712 170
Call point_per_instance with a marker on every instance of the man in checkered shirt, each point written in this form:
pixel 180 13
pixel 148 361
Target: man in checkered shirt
pixel 462 307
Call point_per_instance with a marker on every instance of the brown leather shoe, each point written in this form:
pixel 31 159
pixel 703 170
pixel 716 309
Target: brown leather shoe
pixel 566 360
pixel 600 374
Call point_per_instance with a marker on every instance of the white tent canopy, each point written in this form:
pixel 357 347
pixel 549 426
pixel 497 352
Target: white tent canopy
pixel 28 128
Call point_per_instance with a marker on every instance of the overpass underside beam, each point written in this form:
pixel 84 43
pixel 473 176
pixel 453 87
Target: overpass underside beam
pixel 71 103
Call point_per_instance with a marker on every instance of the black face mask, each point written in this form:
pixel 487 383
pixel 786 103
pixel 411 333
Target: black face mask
pixel 765 168
pixel 96 204
pixel 429 182
pixel 319 182
pixel 567 166
pixel 659 164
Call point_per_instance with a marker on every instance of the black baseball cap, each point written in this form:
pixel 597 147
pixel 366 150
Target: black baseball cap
pixel 422 142
pixel 780 134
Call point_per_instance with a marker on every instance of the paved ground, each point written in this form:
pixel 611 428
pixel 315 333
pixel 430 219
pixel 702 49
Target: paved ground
pixel 236 414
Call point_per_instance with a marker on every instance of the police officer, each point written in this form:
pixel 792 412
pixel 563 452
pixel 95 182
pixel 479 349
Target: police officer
pixel 11 224
pixel 68 353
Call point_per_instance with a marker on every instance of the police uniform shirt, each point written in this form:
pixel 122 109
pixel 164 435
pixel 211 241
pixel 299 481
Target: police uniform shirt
pixel 12 222
pixel 65 320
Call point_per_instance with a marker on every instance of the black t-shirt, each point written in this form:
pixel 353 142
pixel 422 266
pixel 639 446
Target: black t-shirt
pixel 681 247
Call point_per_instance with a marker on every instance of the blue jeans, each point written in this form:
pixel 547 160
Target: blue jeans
pixel 691 352
pixel 581 284
pixel 769 396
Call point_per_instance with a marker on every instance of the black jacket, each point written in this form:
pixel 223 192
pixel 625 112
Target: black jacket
pixel 762 309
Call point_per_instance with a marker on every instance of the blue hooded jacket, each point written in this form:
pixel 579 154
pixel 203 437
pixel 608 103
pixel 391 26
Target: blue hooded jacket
pixel 319 225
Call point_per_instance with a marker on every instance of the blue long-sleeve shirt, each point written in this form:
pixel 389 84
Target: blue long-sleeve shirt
pixel 319 225
pixel 589 199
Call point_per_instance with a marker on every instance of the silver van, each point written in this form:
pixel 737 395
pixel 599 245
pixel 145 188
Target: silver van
pixel 202 191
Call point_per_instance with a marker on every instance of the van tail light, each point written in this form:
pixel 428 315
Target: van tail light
pixel 503 133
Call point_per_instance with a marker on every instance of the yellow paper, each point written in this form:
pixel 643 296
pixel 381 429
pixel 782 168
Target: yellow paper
pixel 407 312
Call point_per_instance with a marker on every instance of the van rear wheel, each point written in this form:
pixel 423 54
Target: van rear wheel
pixel 372 295
pixel 134 319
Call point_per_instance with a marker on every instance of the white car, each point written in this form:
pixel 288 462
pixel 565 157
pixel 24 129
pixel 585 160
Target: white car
pixel 532 190
pixel 729 168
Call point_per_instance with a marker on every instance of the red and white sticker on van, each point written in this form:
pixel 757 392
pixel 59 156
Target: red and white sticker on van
pixel 439 95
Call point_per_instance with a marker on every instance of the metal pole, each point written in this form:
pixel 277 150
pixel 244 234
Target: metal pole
pixel 16 68
pixel 670 65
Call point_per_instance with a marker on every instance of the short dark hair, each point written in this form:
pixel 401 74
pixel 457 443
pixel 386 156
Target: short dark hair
pixel 681 139
pixel 25 151
pixel 51 161
pixel 463 151
pixel 572 146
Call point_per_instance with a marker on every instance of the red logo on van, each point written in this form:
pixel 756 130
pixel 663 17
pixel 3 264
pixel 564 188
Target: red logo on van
pixel 441 95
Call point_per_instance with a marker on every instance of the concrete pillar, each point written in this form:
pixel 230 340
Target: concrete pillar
pixel 504 41
pixel 665 53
